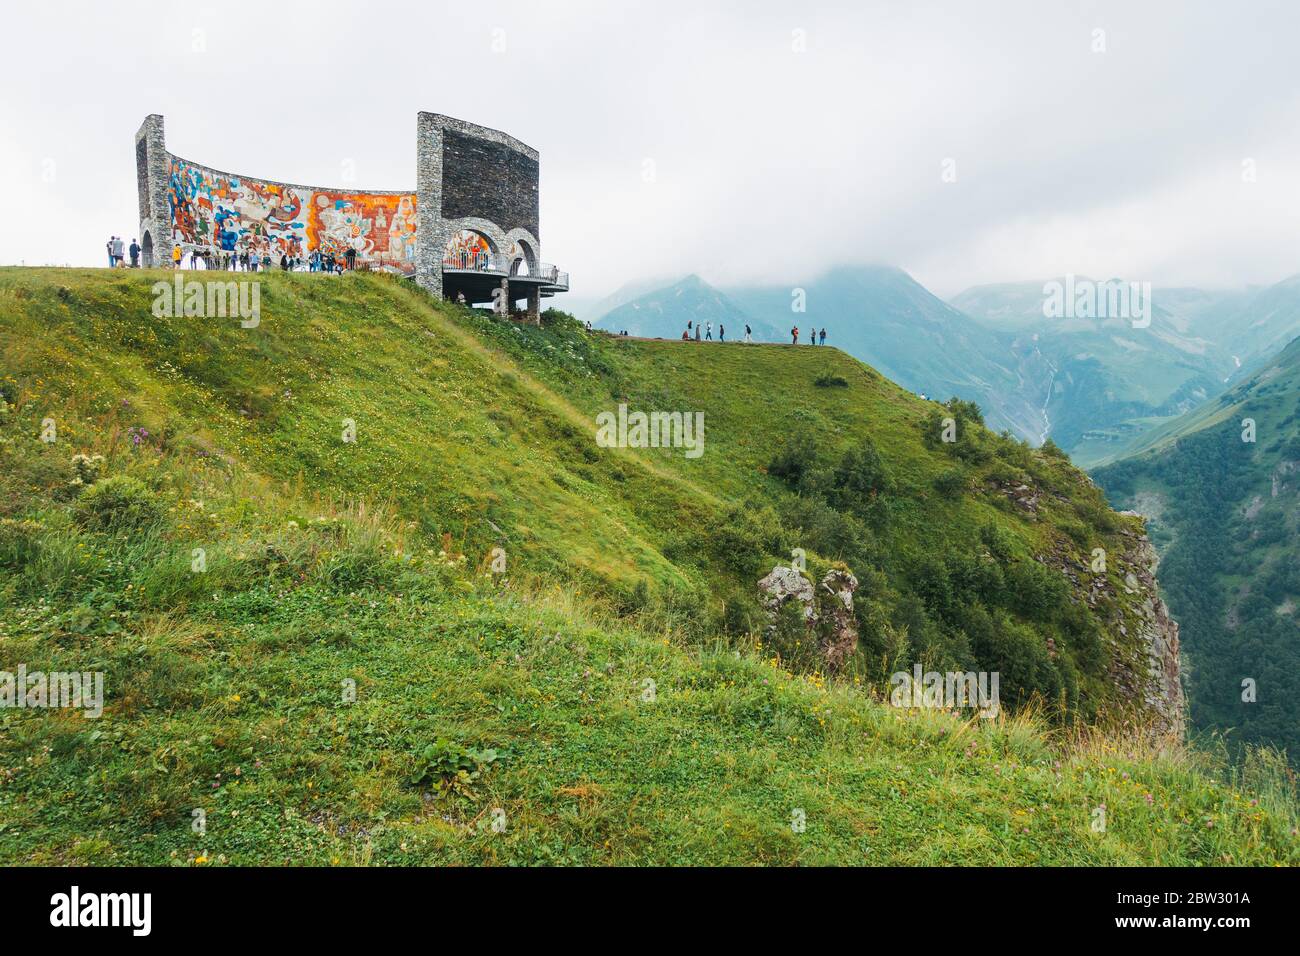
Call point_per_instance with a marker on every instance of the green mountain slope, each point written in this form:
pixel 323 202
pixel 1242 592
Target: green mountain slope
pixel 352 676
pixel 1225 514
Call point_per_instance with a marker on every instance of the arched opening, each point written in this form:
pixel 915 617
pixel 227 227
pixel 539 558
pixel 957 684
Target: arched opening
pixel 469 250
pixel 523 258
pixel 146 250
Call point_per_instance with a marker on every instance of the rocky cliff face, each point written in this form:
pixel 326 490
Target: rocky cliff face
pixel 1158 634
pixel 1145 665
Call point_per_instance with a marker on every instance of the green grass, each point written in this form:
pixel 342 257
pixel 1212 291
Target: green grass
pixel 332 566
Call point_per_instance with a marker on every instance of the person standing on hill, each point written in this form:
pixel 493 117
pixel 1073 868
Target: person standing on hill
pixel 176 256
pixel 748 334
pixel 794 335
pixel 708 332
pixel 722 332
pixel 823 336
pixel 135 254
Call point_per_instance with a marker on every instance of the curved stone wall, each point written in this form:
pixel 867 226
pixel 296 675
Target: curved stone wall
pixel 467 177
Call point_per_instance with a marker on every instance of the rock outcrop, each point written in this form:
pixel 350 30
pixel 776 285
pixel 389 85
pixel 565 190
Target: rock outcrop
pixel 1145 665
pixel 781 586
pixel 1158 635
pixel 827 610
pixel 838 634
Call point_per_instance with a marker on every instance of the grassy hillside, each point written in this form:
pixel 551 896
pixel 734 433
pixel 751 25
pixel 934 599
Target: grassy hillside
pixel 346 678
pixel 1225 513
pixel 886 318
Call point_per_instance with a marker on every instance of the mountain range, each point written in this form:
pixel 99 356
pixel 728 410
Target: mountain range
pixel 1095 386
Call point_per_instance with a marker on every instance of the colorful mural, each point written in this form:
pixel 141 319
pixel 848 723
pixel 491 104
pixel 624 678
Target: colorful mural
pixel 467 250
pixel 227 213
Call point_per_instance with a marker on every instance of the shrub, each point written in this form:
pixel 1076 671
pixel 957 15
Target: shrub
pixel 119 503
pixel 831 381
pixel 1051 449
pixel 740 615
pixel 742 539
pixel 861 474
pixel 1036 590
pixel 951 483
pixel 795 460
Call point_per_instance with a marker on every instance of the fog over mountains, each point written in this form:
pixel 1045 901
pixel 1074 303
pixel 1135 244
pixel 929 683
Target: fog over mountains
pixel 1094 385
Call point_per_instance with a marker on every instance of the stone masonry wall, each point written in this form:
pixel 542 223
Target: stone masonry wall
pixel 464 172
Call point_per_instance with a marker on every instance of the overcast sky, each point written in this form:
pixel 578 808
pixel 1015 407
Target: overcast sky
pixel 743 141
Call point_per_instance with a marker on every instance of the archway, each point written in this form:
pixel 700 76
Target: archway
pixel 146 250
pixel 521 252
pixel 468 249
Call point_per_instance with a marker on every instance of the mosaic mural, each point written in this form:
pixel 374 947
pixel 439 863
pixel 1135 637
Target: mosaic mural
pixel 467 250
pixel 228 213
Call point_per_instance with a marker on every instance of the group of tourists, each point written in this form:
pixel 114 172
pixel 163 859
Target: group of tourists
pixel 812 336
pixel 232 260
pixel 246 261
pixel 707 329
pixel 694 330
pixel 117 251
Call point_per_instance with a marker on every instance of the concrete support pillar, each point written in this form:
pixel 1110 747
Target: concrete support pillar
pixel 535 304
pixel 503 300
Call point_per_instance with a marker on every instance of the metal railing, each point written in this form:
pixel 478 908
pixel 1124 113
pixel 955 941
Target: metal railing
pixel 466 261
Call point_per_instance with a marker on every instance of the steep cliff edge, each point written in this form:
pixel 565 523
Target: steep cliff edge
pixel 1159 685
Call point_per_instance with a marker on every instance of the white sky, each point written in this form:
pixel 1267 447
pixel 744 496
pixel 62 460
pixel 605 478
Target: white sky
pixel 770 164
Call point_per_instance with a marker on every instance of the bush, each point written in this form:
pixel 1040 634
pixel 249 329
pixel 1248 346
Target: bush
pixel 795 460
pixel 861 475
pixel 741 615
pixel 1036 591
pixel 1051 449
pixel 951 483
pixel 970 439
pixel 831 381
pixel 119 503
